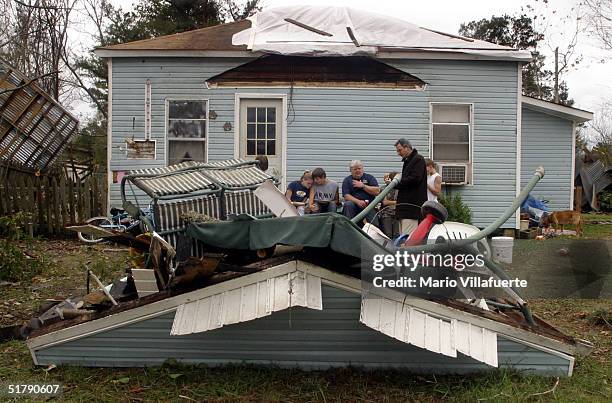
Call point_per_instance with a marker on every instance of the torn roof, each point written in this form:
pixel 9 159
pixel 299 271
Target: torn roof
pixel 315 31
pixel 343 31
pixel 300 71
pixel 34 128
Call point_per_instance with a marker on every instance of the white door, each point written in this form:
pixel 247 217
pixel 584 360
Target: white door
pixel 261 123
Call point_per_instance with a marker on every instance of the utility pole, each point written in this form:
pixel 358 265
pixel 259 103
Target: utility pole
pixel 557 75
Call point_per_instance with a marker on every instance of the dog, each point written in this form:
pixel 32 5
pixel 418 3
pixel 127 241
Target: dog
pixel 561 218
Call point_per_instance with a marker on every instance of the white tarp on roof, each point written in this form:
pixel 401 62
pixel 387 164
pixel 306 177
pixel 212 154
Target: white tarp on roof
pixel 327 31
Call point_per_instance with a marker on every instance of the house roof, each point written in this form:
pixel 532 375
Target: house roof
pixel 316 31
pixel 215 38
pixel 551 108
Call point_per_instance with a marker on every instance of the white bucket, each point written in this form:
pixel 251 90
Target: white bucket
pixel 501 248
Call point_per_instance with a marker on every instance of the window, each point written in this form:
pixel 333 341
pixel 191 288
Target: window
pixel 186 131
pixel 451 131
pixel 261 131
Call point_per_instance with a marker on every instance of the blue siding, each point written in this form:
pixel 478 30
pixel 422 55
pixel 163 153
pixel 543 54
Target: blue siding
pixel 329 127
pixel 310 339
pixel 547 141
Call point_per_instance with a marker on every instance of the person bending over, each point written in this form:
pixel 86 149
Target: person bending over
pixel 298 192
pixel 323 193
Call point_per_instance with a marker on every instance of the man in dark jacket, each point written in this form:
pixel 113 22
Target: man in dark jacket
pixel 412 189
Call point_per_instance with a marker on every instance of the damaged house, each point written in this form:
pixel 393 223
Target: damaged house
pixel 253 87
pixel 307 87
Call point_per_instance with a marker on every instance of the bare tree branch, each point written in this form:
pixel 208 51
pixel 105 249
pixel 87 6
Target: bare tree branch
pixel 30 81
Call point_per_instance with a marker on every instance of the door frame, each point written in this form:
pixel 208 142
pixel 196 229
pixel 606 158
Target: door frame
pixel 283 134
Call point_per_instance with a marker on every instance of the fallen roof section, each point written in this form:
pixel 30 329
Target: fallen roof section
pixel 298 284
pixel 34 128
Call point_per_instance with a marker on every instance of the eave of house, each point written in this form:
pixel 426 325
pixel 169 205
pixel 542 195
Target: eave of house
pixel 561 111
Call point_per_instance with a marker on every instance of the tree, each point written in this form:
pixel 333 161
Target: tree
pixel 34 37
pixel 599 19
pixel 519 32
pixel 150 18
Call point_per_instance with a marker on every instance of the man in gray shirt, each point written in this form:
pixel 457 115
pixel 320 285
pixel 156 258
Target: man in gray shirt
pixel 323 193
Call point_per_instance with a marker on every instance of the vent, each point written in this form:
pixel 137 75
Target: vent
pixel 454 174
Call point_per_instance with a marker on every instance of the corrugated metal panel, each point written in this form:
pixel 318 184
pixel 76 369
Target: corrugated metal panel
pixel 307 338
pixel 440 335
pixel 547 141
pixel 323 121
pixel 248 302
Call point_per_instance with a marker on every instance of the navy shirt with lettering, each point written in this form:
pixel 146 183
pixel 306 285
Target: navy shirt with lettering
pixel 299 192
pixel 360 193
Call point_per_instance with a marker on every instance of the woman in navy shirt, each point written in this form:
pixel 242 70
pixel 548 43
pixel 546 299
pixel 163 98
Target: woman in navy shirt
pixel 298 191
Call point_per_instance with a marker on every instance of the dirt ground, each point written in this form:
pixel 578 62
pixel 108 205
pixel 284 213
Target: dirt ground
pixel 63 275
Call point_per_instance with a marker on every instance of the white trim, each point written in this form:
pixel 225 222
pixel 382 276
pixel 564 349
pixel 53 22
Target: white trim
pixel 573 167
pixel 444 55
pixel 342 281
pixel 425 54
pixel 470 124
pixel 284 138
pixel 103 53
pixel 166 119
pixel 565 112
pixel 519 140
pixel 109 135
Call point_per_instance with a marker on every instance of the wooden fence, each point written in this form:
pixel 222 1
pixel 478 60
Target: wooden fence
pixel 51 203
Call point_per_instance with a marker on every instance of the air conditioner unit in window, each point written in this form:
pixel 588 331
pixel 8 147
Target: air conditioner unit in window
pixel 454 174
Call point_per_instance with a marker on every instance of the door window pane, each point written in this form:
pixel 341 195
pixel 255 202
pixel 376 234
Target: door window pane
pixel 250 130
pixel 251 115
pixel 271 131
pixel 261 130
pixel 261 115
pixel 250 147
pixel 261 147
pixel 271 147
pixel 271 115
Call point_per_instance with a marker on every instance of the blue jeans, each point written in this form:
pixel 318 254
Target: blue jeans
pixel 329 207
pixel 351 209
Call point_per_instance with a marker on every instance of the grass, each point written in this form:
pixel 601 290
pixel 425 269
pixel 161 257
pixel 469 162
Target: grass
pixel 63 276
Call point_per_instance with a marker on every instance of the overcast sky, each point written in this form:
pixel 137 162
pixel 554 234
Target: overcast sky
pixel 590 83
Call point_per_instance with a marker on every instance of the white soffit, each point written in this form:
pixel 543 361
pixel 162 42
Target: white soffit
pixel 444 336
pixel 248 302
pixel 343 31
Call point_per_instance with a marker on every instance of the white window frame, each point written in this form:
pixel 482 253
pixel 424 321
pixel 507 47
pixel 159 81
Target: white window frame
pixel 470 124
pixel 167 120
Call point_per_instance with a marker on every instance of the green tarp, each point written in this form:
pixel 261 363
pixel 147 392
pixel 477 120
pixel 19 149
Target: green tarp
pixel 317 230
